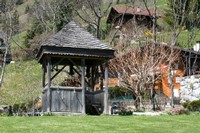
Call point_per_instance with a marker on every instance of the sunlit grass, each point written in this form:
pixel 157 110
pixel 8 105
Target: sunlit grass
pixel 96 124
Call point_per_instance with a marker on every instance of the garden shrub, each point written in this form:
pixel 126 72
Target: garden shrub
pixel 192 106
pixel 125 111
pixel 178 111
pixel 195 105
pixel 119 92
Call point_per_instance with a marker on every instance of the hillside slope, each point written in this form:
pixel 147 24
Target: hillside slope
pixel 22 82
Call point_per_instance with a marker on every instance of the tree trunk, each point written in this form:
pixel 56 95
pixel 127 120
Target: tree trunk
pixel 137 103
pixel 170 79
pixel 152 97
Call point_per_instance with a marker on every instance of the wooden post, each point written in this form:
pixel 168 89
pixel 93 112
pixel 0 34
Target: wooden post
pixel 49 84
pixel 43 82
pixel 43 74
pixel 186 65
pixel 93 80
pixel 83 84
pixel 106 90
pixel 189 60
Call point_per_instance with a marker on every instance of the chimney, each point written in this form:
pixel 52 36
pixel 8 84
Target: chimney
pixel 196 47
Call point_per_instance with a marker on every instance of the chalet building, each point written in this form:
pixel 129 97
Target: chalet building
pixel 126 18
pixel 186 64
pixel 77 53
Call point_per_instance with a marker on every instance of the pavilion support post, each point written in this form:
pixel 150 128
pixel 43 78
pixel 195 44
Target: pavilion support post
pixel 93 78
pixel 49 85
pixel 43 81
pixel 43 74
pixel 189 60
pixel 106 90
pixel 83 84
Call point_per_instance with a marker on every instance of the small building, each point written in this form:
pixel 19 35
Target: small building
pixel 126 18
pixel 75 52
pixel 187 63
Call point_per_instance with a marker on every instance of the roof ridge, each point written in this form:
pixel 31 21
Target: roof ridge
pixel 74 36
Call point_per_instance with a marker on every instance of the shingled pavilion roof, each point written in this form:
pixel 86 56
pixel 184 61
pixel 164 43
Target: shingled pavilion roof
pixel 73 40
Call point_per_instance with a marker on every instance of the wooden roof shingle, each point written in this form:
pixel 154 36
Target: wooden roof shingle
pixel 74 36
pixel 73 40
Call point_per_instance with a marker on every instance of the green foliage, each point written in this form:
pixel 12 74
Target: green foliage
pixel 125 112
pixel 21 108
pixel 187 105
pixel 36 29
pixel 26 42
pixel 48 114
pixel 18 38
pixel 192 106
pixel 184 38
pixel 195 105
pixel 184 12
pixel 27 9
pixel 15 22
pixel 64 15
pixel 119 92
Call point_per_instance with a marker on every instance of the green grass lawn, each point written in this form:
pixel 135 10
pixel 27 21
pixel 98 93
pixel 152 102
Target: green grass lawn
pixel 104 124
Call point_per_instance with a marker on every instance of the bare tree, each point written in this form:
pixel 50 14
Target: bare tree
pixel 181 12
pixel 92 13
pixel 51 14
pixel 136 68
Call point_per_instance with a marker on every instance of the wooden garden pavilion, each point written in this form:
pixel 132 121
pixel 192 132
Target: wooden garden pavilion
pixel 76 51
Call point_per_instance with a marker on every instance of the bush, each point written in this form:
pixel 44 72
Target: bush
pixel 125 111
pixel 192 106
pixel 178 111
pixel 119 92
pixel 195 105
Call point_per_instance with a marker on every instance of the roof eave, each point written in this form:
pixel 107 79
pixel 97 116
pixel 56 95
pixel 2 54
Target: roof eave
pixel 75 52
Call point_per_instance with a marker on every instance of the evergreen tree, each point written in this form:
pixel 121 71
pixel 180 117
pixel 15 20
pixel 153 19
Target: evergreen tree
pixel 64 15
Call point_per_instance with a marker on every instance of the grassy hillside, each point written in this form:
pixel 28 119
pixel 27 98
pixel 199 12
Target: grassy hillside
pixel 22 82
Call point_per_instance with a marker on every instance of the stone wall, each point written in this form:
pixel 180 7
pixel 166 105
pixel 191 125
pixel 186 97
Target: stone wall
pixel 190 88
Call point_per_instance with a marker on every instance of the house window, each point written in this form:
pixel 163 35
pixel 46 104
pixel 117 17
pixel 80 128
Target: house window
pixel 178 79
pixel 176 66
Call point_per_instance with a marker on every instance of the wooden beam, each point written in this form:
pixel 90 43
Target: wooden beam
pixel 57 63
pixel 77 71
pixel 66 88
pixel 83 84
pixel 106 90
pixel 55 75
pixel 49 84
pixel 58 72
